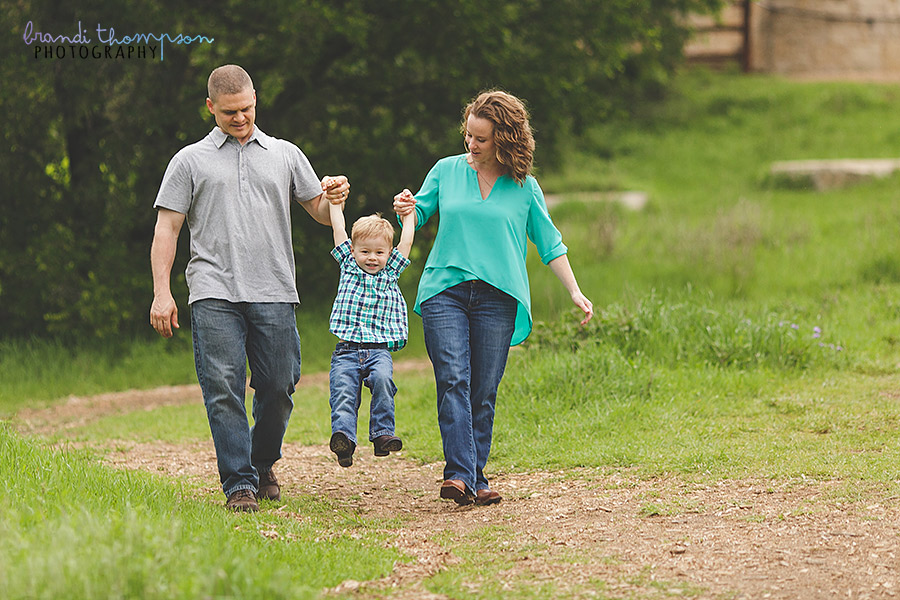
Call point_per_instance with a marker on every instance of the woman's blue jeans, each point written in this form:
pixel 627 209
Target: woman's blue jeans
pixel 352 366
pixel 468 329
pixel 226 337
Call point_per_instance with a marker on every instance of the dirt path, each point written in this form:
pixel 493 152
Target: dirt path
pixel 586 532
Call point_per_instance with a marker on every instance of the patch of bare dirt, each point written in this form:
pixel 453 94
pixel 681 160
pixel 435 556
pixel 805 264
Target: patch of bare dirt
pixel 588 532
pixel 734 539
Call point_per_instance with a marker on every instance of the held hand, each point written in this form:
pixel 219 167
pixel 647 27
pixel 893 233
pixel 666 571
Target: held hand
pixel 404 203
pixel 336 188
pixel 585 305
pixel 164 315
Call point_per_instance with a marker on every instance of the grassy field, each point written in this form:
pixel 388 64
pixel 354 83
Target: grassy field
pixel 743 329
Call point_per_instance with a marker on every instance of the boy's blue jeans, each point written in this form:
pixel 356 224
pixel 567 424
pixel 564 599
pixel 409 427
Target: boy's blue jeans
pixel 226 335
pixel 468 329
pixel 352 366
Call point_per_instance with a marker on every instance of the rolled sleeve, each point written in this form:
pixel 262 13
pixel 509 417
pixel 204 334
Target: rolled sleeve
pixel 559 250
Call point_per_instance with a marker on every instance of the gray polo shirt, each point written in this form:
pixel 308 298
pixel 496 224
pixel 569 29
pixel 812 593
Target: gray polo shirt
pixel 237 202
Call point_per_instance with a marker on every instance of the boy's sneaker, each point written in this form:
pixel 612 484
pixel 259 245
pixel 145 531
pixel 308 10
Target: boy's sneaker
pixel 343 447
pixel 269 489
pixel 385 444
pixel 242 501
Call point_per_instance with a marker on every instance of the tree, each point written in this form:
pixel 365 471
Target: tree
pixel 370 88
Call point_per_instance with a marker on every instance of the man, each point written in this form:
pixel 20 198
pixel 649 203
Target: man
pixel 234 188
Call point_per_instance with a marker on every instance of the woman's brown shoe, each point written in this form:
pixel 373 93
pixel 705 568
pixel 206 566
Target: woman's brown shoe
pixel 454 489
pixel 485 497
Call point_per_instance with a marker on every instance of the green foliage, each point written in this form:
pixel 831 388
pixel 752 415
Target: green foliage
pixel 370 88
pixel 689 331
pixel 704 420
pixel 715 225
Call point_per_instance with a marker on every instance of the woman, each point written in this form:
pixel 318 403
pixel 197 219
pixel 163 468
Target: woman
pixel 473 296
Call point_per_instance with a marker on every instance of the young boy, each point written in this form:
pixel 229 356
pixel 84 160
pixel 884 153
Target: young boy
pixel 369 318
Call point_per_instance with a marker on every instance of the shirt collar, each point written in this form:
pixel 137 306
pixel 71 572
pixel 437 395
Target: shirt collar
pixel 219 137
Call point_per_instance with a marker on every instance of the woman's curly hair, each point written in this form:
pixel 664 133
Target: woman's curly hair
pixel 512 132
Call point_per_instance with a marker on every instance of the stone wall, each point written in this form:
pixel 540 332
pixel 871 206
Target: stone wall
pixel 826 38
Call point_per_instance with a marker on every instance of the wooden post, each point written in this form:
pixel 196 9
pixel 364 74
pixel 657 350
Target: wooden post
pixel 745 58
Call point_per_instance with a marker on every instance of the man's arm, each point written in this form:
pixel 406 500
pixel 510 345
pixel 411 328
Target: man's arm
pixel 338 224
pixel 335 190
pixel 407 233
pixel 163 311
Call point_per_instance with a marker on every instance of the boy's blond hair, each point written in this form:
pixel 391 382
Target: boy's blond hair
pixel 372 226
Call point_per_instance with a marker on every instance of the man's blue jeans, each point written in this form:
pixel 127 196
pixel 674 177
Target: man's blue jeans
pixel 468 329
pixel 226 337
pixel 353 365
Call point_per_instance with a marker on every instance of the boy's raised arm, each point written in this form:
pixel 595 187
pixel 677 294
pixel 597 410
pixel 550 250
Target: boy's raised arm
pixel 338 225
pixel 407 233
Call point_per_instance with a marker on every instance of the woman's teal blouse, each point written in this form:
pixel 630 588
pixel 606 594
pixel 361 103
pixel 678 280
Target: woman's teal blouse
pixel 484 239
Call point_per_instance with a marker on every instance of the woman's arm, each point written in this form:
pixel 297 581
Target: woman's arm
pixel 561 268
pixel 425 202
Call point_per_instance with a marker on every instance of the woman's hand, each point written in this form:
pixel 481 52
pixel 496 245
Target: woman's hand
pixel 584 304
pixel 404 203
pixel 560 266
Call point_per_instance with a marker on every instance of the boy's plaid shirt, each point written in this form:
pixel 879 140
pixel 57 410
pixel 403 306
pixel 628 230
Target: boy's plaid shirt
pixel 369 308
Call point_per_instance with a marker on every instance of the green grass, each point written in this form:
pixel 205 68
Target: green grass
pixel 715 220
pixel 80 530
pixel 743 330
pixel 38 372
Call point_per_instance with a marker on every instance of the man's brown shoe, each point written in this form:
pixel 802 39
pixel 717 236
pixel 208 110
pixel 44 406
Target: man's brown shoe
pixel 268 486
pixel 485 497
pixel 242 501
pixel 454 489
pixel 385 444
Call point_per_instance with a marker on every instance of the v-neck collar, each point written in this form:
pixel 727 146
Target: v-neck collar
pixel 470 167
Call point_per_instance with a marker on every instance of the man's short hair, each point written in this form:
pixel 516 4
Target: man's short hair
pixel 373 226
pixel 227 80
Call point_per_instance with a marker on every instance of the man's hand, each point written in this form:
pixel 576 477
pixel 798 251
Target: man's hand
pixel 336 188
pixel 164 315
